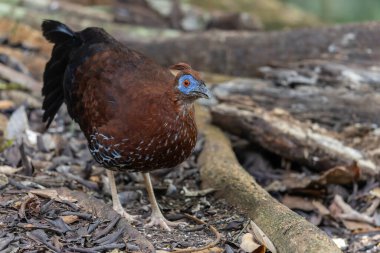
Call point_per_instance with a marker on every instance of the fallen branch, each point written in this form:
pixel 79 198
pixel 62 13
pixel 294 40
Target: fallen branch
pixel 280 133
pixel 243 53
pixel 333 105
pixel 220 169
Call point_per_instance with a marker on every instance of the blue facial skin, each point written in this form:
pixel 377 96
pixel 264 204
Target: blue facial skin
pixel 196 88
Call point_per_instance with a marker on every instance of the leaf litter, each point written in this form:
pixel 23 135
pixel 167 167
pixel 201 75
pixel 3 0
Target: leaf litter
pixel 34 216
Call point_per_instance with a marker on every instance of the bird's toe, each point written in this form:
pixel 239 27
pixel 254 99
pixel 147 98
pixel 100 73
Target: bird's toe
pixel 130 218
pixel 161 221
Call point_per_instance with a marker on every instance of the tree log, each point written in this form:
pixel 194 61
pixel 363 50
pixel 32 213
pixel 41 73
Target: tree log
pixel 242 53
pixel 220 169
pixel 280 133
pixel 334 106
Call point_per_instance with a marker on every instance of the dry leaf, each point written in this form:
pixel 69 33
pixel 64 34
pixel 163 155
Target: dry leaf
pixel 340 175
pixel 261 249
pixel 8 170
pixel 340 242
pixel 261 237
pixel 320 207
pixel 357 225
pixel 17 124
pixel 247 243
pixel 52 194
pixel 190 193
pixel 348 213
pixel 68 219
pixel 6 104
pixel 3 180
pixel 294 202
pixel 375 192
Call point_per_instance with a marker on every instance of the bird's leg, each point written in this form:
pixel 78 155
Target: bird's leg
pixel 157 218
pixel 115 198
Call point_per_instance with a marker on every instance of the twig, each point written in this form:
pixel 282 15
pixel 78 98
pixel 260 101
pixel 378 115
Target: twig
pixel 372 208
pixel 351 214
pixel 241 231
pixel 208 246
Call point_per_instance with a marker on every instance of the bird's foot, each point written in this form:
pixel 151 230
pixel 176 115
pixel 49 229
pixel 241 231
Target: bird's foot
pixel 160 220
pixel 130 218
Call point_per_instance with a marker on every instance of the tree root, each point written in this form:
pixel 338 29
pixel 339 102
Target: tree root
pixel 220 169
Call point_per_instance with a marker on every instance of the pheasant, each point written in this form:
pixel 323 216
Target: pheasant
pixel 135 114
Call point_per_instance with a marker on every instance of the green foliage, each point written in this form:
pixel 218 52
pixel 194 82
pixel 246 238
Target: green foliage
pixel 341 10
pixel 273 13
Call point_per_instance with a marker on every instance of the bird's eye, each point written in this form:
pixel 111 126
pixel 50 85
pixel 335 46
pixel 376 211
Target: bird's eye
pixel 186 83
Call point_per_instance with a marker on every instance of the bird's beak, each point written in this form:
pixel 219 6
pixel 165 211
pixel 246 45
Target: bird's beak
pixel 202 91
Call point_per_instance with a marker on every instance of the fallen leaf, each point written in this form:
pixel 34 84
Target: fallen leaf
pixel 68 219
pixel 340 175
pixel 357 225
pixel 261 237
pixel 335 210
pixel 52 194
pixel 261 249
pixel 8 170
pixel 17 124
pixel 31 136
pixel 56 242
pixel 190 193
pixel 299 203
pixel 340 242
pixel 248 244
pixel 6 104
pixel 3 180
pixel 375 192
pixel 348 213
pixel 320 207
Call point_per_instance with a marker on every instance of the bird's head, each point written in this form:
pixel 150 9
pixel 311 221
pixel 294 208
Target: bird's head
pixel 188 83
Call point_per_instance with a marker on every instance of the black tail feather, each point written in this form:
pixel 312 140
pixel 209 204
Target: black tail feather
pixel 65 40
pixel 56 32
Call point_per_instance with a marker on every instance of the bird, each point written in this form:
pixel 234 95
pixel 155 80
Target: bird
pixel 136 115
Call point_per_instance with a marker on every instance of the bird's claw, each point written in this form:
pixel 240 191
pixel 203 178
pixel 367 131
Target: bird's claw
pixel 160 220
pixel 130 218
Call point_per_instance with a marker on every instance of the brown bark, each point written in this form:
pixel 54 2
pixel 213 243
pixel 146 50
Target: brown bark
pixel 280 133
pixel 220 169
pixel 242 53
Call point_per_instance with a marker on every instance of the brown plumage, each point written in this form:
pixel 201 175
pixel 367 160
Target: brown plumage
pixel 135 114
